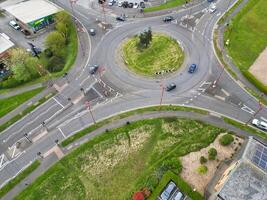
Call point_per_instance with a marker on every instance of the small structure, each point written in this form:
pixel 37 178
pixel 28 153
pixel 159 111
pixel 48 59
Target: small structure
pixel 247 178
pixel 171 192
pixel 33 15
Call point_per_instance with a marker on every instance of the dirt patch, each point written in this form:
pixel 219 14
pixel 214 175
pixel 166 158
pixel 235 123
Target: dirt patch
pixel 259 67
pixel 191 162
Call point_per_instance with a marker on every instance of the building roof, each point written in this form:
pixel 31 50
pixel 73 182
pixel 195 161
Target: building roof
pixel 31 10
pixel 248 179
pixel 5 43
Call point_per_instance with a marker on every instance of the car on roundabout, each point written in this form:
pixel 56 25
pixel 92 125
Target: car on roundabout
pixel 170 87
pixel 93 69
pixel 168 19
pixel 120 19
pixel 212 8
pixel 192 68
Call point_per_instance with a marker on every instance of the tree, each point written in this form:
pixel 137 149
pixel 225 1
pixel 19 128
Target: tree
pixel 63 30
pixel 226 139
pixel 23 65
pixel 212 153
pixel 202 169
pixel 56 43
pixel 63 17
pixel 145 38
pixel 203 160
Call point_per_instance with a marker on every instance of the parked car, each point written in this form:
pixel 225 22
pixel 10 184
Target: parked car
pixel 260 124
pixel 111 2
pixel 120 18
pixel 136 5
pixel 14 25
pixel 93 69
pixel 170 87
pixel 142 4
pixel 192 68
pixel 130 5
pixel 92 31
pixel 120 3
pixel 210 1
pixel 125 4
pixel 212 8
pixel 168 18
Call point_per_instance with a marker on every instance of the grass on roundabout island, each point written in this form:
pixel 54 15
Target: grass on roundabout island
pixel 163 54
pixel 121 161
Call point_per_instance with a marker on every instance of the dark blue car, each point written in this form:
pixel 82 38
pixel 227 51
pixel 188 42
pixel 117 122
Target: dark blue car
pixel 192 68
pixel 210 1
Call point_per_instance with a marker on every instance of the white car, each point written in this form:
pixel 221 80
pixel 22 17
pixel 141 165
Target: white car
pixel 260 124
pixel 136 5
pixel 14 25
pixel 120 3
pixel 212 8
pixel 111 2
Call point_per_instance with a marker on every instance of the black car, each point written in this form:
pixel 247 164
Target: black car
pixel 120 18
pixel 130 5
pixel 93 69
pixel 142 5
pixel 170 87
pixel 168 18
pixel 125 4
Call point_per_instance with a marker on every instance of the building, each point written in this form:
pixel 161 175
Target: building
pixel 245 179
pixel 33 15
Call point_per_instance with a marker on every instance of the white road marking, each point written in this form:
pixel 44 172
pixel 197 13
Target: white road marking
pixel 262 118
pixel 2 159
pixel 247 109
pixel 58 102
pixel 62 132
pixel 97 92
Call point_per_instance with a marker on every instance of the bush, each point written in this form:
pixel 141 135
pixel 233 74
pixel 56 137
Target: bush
pixel 202 169
pixel 55 64
pixel 212 153
pixel 173 164
pixel 226 139
pixel 48 53
pixel 202 160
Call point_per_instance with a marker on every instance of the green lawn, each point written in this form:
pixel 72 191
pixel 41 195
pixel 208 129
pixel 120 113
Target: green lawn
pixel 10 103
pixel 122 161
pixel 169 4
pixel 163 53
pixel 248 37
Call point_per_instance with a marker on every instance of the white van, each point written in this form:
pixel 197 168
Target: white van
pixel 260 124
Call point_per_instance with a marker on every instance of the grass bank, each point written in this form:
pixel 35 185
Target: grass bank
pixel 10 103
pixel 13 182
pixel 247 35
pixel 163 54
pixel 99 124
pixel 122 161
pixel 168 4
pixel 24 112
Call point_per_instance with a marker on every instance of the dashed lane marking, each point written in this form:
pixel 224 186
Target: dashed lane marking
pixel 61 132
pixel 58 102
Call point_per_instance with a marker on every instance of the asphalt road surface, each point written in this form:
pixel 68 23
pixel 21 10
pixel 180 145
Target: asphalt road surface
pixel 114 89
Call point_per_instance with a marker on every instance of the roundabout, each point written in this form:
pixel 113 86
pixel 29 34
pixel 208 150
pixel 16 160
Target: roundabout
pixel 162 56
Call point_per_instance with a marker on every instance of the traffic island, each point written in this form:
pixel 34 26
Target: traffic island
pixel 161 56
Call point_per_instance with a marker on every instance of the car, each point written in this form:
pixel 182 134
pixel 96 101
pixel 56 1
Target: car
pixel 260 124
pixel 192 68
pixel 14 25
pixel 170 87
pixel 142 4
pixel 136 5
pixel 130 5
pixel 93 69
pixel 125 4
pixel 120 18
pixel 167 192
pixel 212 8
pixel 210 1
pixel 168 18
pixel 111 2
pixel 92 31
pixel 120 3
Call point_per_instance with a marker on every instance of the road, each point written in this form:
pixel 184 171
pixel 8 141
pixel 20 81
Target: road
pixel 114 89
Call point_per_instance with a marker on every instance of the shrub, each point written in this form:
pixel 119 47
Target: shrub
pixel 212 153
pixel 55 64
pixel 203 160
pixel 226 139
pixel 202 169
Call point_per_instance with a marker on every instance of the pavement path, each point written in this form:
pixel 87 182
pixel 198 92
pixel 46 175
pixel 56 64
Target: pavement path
pixel 48 161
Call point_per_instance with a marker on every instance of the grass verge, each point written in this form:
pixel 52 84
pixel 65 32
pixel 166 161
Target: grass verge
pixel 168 4
pixel 181 184
pixel 24 112
pixel 163 54
pixel 259 133
pixel 10 103
pixel 122 161
pixel 99 124
pixel 13 182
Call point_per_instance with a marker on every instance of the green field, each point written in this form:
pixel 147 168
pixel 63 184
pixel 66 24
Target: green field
pixel 168 4
pixel 10 103
pixel 163 53
pixel 248 34
pixel 122 161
